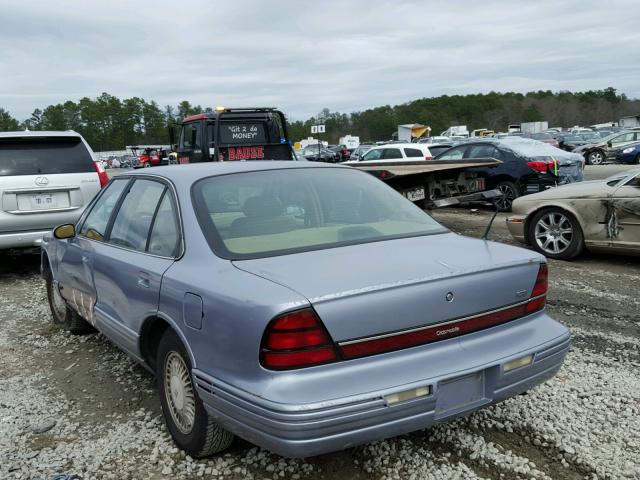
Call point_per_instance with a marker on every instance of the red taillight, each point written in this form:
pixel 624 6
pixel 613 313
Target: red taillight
pixel 102 174
pixel 294 340
pixel 542 281
pixel 429 334
pixel 428 157
pixel 543 166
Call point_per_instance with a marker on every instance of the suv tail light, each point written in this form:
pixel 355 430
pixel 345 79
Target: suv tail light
pixel 102 174
pixel 428 157
pixel 294 340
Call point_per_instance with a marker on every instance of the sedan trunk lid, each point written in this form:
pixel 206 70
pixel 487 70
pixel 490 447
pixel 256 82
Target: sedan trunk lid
pixel 375 288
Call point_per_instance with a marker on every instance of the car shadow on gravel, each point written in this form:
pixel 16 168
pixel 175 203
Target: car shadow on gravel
pixel 19 263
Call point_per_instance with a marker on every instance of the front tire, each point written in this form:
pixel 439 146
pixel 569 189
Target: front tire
pixel 556 234
pixel 188 422
pixel 509 192
pixel 596 157
pixel 63 315
pixel 147 164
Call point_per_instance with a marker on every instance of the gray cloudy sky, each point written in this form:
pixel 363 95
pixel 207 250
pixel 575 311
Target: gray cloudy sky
pixel 303 56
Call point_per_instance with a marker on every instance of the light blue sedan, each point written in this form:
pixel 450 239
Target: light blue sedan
pixel 304 307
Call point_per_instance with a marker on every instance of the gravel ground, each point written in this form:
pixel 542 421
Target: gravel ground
pixel 78 405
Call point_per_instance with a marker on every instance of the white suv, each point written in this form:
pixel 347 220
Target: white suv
pixel 46 179
pixel 400 152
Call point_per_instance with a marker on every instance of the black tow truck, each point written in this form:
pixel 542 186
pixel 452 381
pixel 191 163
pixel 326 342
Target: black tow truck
pixel 232 134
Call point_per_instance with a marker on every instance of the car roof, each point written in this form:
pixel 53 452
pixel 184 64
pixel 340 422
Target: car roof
pixel 404 144
pixel 39 133
pixel 191 172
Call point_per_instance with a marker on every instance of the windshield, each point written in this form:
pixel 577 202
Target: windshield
pixel 47 156
pixel 258 214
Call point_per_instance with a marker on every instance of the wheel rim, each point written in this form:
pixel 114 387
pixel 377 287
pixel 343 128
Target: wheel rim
pixel 507 196
pixel 553 233
pixel 59 305
pixel 179 393
pixel 595 158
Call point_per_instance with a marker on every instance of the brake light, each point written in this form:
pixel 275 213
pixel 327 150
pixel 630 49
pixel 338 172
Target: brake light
pixel 428 157
pixel 543 166
pixel 455 328
pixel 538 297
pixel 295 340
pixel 102 174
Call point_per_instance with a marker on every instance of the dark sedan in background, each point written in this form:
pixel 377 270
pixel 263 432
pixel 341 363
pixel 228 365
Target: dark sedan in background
pixel 317 153
pixel 528 166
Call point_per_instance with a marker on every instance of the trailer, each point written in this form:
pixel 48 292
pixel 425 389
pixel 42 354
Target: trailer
pixel 456 131
pixel 534 127
pixel 410 131
pixel 433 183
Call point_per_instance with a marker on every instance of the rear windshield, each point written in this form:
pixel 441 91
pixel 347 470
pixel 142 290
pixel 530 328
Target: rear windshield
pixel 259 214
pixel 241 133
pixel 48 156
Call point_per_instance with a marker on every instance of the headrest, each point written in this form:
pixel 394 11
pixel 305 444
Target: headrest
pixel 262 206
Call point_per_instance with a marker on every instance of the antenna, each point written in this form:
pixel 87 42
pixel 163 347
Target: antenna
pixel 486 232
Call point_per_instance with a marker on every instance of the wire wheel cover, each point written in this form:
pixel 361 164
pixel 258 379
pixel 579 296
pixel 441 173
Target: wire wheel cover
pixel 179 393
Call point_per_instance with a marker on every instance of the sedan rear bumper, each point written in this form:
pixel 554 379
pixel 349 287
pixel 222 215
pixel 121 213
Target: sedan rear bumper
pixel 16 240
pixel 307 430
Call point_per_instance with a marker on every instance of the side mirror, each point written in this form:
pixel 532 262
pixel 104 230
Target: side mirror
pixel 64 231
pixel 609 144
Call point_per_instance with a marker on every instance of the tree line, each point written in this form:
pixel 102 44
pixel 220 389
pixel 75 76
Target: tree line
pixel 109 123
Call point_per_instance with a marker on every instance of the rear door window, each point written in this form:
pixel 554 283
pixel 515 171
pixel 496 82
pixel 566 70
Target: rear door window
pixel 391 153
pixel 95 224
pixel 412 152
pixel 453 154
pixel 44 156
pixel 164 236
pixel 234 133
pixel 483 151
pixel 373 155
pixel 133 220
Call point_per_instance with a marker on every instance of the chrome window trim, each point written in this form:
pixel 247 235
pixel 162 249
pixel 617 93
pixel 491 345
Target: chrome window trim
pixel 43 210
pixel 169 184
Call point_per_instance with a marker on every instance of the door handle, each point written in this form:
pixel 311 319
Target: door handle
pixel 143 280
pixel 85 259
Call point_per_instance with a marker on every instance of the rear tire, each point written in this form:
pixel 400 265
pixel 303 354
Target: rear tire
pixel 147 164
pixel 596 157
pixel 188 422
pixel 63 315
pixel 509 191
pixel 638 159
pixel 556 234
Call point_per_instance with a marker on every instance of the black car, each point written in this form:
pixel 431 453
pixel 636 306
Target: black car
pixel 317 153
pixel 528 166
